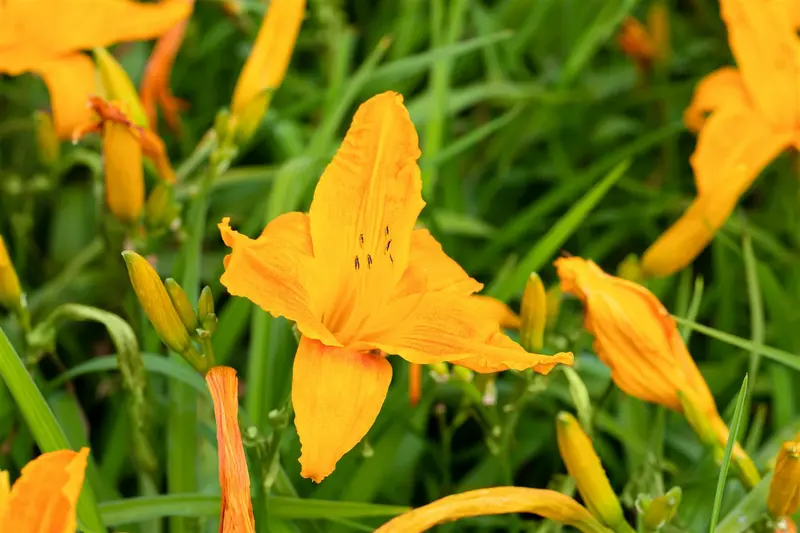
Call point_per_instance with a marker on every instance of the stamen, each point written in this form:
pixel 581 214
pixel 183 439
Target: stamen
pixel 387 231
pixel 361 240
pixel 369 261
pixel 391 259
pixel 388 244
pixel 358 264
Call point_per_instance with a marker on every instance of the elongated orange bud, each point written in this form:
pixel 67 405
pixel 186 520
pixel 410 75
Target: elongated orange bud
pixel 237 510
pixel 636 42
pixel 45 496
pixel 584 466
pixel 784 491
pixel 497 500
pixel 635 337
pixel 10 289
pixel 124 175
pixel 266 67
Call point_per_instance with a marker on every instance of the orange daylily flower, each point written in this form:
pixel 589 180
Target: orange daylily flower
pixel 635 336
pixel 236 514
pixel 44 498
pixel 360 282
pixel 784 490
pixel 155 89
pixel 754 116
pixel 266 66
pixel 151 144
pixel 496 500
pixel 46 37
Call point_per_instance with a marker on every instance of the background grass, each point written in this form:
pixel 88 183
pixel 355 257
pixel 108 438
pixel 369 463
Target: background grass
pixel 537 135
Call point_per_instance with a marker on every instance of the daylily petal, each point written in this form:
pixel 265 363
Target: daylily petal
pixel 70 81
pixel 497 310
pixel 723 88
pixel 276 272
pixel 767 51
pixel 155 82
pixel 236 514
pixel 364 210
pixel 44 498
pixel 427 261
pixel 337 394
pixel 497 500
pixel 448 328
pixel 732 150
pixel 44 29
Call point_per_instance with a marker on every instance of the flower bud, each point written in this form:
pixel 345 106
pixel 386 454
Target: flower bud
pixel 156 303
pixel 118 85
pixel 784 491
pixel 205 304
pixel 267 64
pixel 160 209
pixel 124 175
pixel 462 373
pixel 47 140
pixel 553 304
pixel 657 512
pixel 10 289
pixel 584 466
pixel 533 314
pixel 181 303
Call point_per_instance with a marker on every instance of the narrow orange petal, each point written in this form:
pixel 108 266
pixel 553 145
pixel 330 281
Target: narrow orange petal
pixel 723 88
pixel 276 272
pixel 44 29
pixel 444 327
pixel 266 66
pixel 44 498
pixel 236 513
pixel 497 500
pixel 337 394
pixel 364 210
pixel 429 263
pixel 733 148
pixel 767 51
pixel 70 81
pixel 156 80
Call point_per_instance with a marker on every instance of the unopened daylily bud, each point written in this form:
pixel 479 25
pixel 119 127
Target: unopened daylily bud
pixel 156 303
pixel 181 303
pixel 10 289
pixel 118 86
pixel 462 373
pixel 635 41
pixel 784 491
pixel 440 371
pixel 124 175
pixel 553 305
pixel 657 512
pixel 630 269
pixel 205 304
pixel 533 313
pixel 585 468
pixel 266 66
pixel 47 141
pixel 209 323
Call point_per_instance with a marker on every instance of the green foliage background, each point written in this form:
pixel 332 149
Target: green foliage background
pixel 537 135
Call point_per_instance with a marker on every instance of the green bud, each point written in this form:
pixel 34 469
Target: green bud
pixel 657 512
pixel 181 303
pixel 205 304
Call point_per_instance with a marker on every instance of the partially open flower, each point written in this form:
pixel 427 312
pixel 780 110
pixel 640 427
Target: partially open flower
pixel 45 496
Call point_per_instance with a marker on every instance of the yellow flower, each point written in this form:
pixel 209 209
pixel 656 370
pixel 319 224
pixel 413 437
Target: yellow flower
pixel 584 466
pixel 46 37
pixel 46 494
pixel 635 337
pixel 497 500
pixel 361 282
pixel 755 114
pixel 10 289
pixel 784 491
pixel 236 515
pixel 266 66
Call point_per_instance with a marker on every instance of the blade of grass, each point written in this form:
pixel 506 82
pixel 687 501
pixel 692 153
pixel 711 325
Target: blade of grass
pixel 555 238
pixel 42 423
pixel 694 308
pixel 780 356
pixel 748 510
pixel 726 459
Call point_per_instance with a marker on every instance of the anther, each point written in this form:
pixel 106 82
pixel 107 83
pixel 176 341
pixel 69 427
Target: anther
pixel 361 240
pixel 369 261
pixel 358 264
pixel 388 244
pixel 387 231
pixel 391 259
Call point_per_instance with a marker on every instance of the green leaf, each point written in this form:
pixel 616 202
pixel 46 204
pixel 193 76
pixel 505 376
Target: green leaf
pixel 42 422
pixel 543 251
pixel 141 509
pixel 780 356
pixel 748 510
pixel 152 363
pixel 726 459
